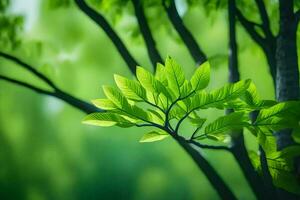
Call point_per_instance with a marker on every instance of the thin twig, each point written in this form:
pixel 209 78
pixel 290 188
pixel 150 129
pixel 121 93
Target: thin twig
pixel 26 85
pixel 58 93
pixel 186 36
pixel 146 33
pixel 206 146
pixel 28 67
pixel 110 32
pixel 250 27
pixel 264 17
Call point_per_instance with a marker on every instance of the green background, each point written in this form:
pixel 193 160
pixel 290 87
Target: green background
pixel 45 151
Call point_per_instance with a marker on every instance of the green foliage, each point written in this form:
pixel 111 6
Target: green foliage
pixel 11 26
pixel 107 119
pixel 227 125
pixel 164 100
pixel 154 136
pixel 172 97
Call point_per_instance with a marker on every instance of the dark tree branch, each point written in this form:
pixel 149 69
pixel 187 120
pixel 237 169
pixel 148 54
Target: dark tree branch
pixel 206 146
pixel 240 153
pixel 26 85
pixel 266 175
pixel 250 27
pixel 102 22
pixel 146 33
pixel 268 44
pixel 28 67
pixel 75 102
pixel 58 93
pixel 287 87
pixel 190 42
pixel 217 182
pixel 239 149
pixel 264 17
pixel 234 75
pixel 297 17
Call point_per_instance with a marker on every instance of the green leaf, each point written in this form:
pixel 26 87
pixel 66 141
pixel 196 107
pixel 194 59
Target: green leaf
pixel 156 116
pixel 281 115
pixel 130 88
pixel 136 112
pixel 227 124
pixel 186 89
pixel 201 77
pixel 197 121
pixel 253 100
pixel 217 98
pixel 283 109
pixel 251 96
pixel 160 74
pixel 229 92
pixel 255 160
pixel 175 76
pixel 115 96
pixel 147 80
pixel 281 165
pixel 104 104
pixel 154 136
pixel 266 140
pixel 106 119
pixel 176 112
pixel 150 83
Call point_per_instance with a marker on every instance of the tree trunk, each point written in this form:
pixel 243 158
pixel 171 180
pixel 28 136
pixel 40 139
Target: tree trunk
pixel 270 52
pixel 239 150
pixel 287 87
pixel 287 77
pixel 217 182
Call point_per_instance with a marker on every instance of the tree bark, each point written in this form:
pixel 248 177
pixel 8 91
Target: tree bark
pixel 238 148
pixel 146 33
pixel 287 77
pixel 287 87
pixel 217 182
pixel 189 40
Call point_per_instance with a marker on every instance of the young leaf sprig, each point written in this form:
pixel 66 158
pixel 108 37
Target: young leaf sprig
pixel 156 100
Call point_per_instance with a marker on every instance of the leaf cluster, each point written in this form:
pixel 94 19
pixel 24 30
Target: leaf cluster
pixel 167 97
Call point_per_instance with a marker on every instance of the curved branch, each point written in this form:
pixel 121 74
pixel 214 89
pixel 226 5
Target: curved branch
pixel 77 103
pixel 214 178
pixel 206 146
pixel 264 18
pixel 146 33
pixel 250 28
pixel 190 42
pixel 26 85
pixel 28 67
pixel 58 93
pixel 238 148
pixel 102 22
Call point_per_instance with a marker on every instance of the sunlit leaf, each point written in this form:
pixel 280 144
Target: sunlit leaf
pixel 106 119
pixel 175 75
pixel 154 136
pixel 130 88
pixel 201 77
pixel 227 124
pixel 104 104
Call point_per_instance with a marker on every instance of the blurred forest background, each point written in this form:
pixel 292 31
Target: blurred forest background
pixel 45 151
